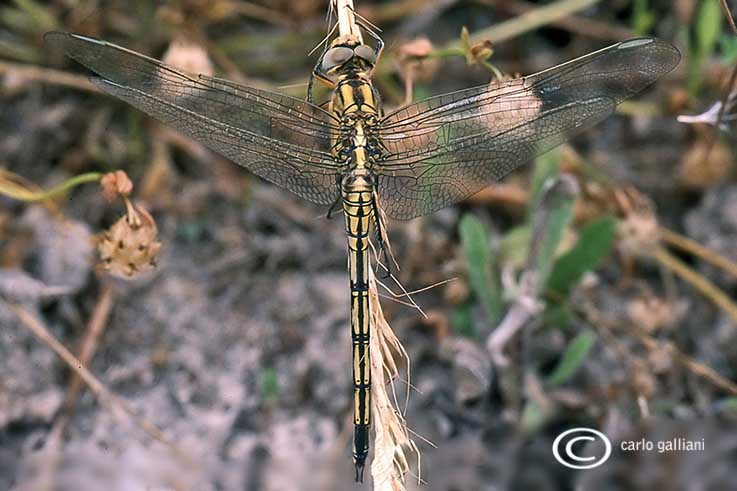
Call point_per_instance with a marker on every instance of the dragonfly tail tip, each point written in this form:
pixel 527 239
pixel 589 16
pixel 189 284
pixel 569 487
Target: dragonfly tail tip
pixel 360 465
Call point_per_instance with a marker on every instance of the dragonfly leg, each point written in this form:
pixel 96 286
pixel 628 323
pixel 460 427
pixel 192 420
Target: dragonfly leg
pixel 317 73
pixel 380 234
pixel 379 42
pixel 334 207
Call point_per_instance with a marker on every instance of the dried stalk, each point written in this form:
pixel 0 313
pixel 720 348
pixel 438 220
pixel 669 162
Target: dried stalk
pixel 703 285
pixel 392 441
pixel 120 407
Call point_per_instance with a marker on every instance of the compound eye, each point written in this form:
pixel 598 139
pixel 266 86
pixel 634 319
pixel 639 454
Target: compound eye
pixel 366 52
pixel 336 56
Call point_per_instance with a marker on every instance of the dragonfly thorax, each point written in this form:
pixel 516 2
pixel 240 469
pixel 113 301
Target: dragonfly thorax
pixel 358 179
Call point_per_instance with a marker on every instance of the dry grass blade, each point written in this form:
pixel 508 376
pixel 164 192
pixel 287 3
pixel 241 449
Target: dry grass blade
pixel 703 285
pixel 95 329
pixel 392 442
pixel 119 406
pixel 527 22
pixel 728 15
pixel 684 243
pixel 32 73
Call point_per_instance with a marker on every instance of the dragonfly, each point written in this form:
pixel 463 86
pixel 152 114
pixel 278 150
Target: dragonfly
pixel 407 162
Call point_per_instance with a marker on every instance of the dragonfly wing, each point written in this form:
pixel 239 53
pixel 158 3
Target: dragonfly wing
pixel 449 147
pixel 280 138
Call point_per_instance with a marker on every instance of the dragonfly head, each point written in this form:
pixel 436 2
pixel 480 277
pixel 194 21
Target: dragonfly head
pixel 362 56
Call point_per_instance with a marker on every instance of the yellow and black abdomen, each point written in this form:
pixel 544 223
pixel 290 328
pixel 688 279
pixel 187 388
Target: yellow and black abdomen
pixel 357 194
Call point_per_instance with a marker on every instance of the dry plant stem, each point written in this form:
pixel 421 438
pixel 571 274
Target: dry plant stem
pixel 255 11
pixel 47 75
pixel 95 328
pixel 579 25
pixel 601 322
pixel 396 10
pixel 703 285
pixel 527 22
pixel 23 192
pixel 725 100
pixel 391 441
pixel 728 15
pixel 346 20
pixel 684 243
pixel 107 397
pixel 525 307
pixel 688 362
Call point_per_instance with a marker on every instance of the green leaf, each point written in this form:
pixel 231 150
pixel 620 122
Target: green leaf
pixel 558 218
pixel 728 47
pixel 533 417
pixel 546 167
pixel 513 247
pixel 573 357
pixel 727 405
pixel 549 213
pixel 462 322
pixel 268 383
pixel 595 240
pixel 708 26
pixel 643 17
pixel 477 251
pixel 557 316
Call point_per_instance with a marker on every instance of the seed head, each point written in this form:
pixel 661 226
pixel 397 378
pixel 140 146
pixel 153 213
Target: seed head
pixel 130 247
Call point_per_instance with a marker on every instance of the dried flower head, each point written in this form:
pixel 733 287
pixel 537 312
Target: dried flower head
pixel 130 247
pixel 413 58
pixel 638 233
pixel 188 56
pixel 116 184
pixel 705 164
pixel 476 52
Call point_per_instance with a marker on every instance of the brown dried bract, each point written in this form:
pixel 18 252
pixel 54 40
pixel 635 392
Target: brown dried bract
pixel 116 184
pixel 476 52
pixel 130 247
pixel 705 164
pixel 188 56
pixel 413 60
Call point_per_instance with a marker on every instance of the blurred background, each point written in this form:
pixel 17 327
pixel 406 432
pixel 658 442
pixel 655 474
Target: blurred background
pixel 222 357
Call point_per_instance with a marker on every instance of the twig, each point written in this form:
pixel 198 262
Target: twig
pixel 392 439
pixel 598 320
pixel 95 328
pixel 703 285
pixel 255 11
pixel 580 25
pixel 684 243
pixel 728 15
pixel 47 75
pixel 12 189
pixel 525 307
pixel 695 366
pixel 346 20
pixel 103 394
pixel 527 22
pixel 725 99
pixel 396 10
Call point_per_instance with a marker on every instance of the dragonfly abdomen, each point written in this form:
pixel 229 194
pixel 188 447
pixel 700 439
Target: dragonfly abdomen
pixel 357 192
